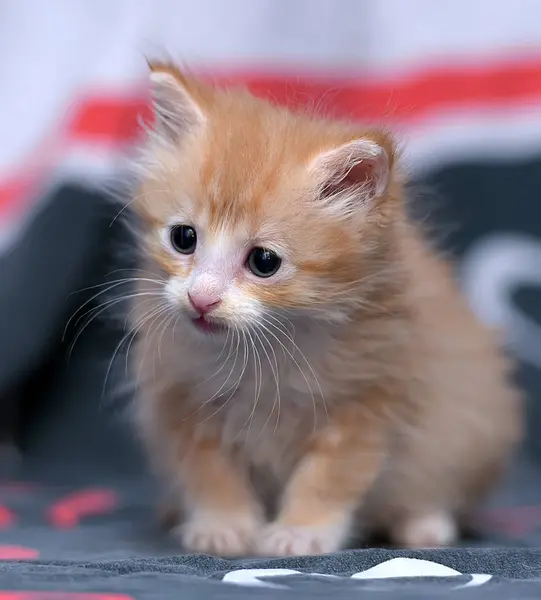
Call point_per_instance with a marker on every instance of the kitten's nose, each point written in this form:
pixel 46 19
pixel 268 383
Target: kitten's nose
pixel 203 303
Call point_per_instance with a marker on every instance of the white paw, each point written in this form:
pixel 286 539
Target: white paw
pixel 221 535
pixel 432 530
pixel 289 540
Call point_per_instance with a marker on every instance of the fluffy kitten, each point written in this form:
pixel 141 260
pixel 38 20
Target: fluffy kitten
pixel 296 329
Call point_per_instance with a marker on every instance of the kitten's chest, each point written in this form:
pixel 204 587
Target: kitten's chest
pixel 266 409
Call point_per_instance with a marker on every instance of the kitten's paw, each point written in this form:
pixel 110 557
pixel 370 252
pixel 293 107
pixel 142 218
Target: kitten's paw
pixel 431 530
pixel 221 535
pixel 289 540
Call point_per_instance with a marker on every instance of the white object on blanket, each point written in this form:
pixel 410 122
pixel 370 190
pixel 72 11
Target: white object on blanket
pixel 406 567
pixel 390 569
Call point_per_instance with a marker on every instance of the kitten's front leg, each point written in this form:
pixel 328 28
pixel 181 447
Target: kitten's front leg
pixel 325 490
pixel 223 516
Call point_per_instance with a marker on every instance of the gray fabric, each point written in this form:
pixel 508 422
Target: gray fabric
pixel 52 259
pixel 516 575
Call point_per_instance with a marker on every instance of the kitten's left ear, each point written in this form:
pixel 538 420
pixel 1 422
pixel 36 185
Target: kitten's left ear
pixel 353 174
pixel 175 102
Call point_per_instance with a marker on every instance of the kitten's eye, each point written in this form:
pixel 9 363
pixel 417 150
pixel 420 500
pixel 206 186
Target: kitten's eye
pixel 263 262
pixel 183 239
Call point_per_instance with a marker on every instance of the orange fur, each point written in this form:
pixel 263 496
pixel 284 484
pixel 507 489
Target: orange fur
pixel 356 379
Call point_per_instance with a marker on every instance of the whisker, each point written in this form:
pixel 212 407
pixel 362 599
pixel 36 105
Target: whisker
pixel 123 280
pixel 222 406
pixel 133 330
pixel 303 356
pixel 279 317
pixel 138 327
pixel 146 346
pixel 224 344
pixel 160 339
pixel 98 311
pixel 275 373
pixel 111 287
pixel 175 325
pixel 114 301
pixel 160 327
pixel 217 393
pixel 268 322
pixel 137 270
pixel 230 346
pixel 128 204
pixel 258 378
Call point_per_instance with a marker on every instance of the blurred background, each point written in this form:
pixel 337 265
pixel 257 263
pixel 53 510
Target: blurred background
pixel 458 81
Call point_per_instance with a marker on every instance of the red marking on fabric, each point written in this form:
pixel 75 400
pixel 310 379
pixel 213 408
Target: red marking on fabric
pixel 53 595
pixel 407 98
pixel 515 522
pixel 114 119
pixel 7 517
pixel 17 553
pixel 70 510
pixel 403 99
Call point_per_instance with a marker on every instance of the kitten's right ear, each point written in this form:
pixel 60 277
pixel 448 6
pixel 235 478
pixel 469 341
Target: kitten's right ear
pixel 176 110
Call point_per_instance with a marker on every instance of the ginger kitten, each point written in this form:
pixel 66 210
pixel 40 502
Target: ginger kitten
pixel 296 330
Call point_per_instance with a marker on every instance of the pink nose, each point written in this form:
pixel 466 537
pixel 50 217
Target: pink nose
pixel 203 303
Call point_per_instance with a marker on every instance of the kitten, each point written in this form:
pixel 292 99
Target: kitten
pixel 297 326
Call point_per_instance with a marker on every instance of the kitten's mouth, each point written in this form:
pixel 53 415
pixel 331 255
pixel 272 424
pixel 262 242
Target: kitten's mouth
pixel 207 326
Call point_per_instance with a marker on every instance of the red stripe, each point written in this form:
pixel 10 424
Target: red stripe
pixel 109 118
pixel 114 120
pixel 55 595
pixel 407 98
pixel 404 99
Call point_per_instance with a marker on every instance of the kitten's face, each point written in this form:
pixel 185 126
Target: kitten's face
pixel 240 256
pixel 254 215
